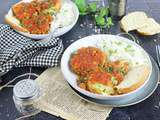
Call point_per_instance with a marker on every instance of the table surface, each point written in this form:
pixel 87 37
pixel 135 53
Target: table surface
pixel 146 110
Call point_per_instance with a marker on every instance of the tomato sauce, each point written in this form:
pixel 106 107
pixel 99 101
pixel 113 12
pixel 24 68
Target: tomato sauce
pixel 87 60
pixel 92 68
pixel 33 17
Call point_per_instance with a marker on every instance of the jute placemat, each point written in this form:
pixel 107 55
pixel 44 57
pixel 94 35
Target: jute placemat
pixel 58 99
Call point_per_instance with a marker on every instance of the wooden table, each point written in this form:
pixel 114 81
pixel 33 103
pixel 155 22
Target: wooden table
pixel 146 110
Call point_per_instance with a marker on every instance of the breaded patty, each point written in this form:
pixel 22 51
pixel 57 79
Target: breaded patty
pixel 87 60
pixel 100 82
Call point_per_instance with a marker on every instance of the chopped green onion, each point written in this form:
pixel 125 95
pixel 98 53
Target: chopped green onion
pixel 114 81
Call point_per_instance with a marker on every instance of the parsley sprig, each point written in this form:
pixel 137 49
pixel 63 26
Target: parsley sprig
pixel 101 14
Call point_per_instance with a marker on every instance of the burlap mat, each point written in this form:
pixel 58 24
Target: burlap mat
pixel 58 99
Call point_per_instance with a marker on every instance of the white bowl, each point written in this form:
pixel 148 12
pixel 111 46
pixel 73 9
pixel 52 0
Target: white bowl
pixel 55 32
pixel 92 41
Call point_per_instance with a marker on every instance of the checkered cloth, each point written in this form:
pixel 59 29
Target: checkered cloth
pixel 18 51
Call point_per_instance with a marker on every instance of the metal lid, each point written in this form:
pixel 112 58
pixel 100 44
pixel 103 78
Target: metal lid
pixel 26 89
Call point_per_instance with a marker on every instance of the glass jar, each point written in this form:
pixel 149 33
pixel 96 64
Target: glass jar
pixel 117 8
pixel 26 94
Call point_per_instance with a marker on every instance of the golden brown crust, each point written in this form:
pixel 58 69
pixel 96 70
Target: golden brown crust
pixel 129 89
pixel 122 27
pixel 136 85
pixel 89 87
pixel 58 4
pixel 151 28
pixel 15 26
pixel 147 33
pixel 143 33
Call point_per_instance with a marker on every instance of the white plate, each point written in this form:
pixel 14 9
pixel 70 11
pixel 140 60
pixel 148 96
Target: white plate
pixel 92 41
pixel 58 31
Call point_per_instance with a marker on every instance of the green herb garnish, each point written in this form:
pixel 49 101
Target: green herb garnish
pixel 82 6
pixel 114 81
pixel 111 52
pixel 109 69
pixel 129 48
pixel 101 14
pixel 109 22
pixel 122 71
pixel 92 7
pixel 50 11
pixel 118 43
pixel 99 20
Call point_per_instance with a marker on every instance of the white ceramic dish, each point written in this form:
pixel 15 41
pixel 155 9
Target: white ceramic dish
pixel 92 41
pixel 57 31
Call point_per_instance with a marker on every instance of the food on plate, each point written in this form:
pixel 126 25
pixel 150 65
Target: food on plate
pixel 151 28
pixel 141 22
pixel 100 82
pixel 133 21
pixel 34 17
pixel 134 79
pixel 99 73
pixel 87 60
pixel 65 16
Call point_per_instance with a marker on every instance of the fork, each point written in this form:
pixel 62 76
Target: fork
pixel 158 54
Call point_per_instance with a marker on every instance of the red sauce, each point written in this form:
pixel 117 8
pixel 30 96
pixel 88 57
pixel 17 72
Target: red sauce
pixel 118 76
pixel 87 60
pixel 100 77
pixel 32 16
pixel 90 64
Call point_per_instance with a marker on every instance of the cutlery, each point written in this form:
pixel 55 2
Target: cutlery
pixel 158 54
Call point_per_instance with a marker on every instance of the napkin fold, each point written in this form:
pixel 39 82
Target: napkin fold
pixel 17 50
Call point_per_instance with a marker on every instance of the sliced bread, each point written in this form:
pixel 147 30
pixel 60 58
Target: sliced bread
pixel 134 79
pixel 14 22
pixel 133 21
pixel 151 28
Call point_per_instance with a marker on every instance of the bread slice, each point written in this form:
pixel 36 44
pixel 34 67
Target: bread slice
pixel 14 22
pixel 134 79
pixel 133 21
pixel 151 28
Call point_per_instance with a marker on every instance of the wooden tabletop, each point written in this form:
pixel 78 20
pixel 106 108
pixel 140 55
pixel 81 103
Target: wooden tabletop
pixel 146 110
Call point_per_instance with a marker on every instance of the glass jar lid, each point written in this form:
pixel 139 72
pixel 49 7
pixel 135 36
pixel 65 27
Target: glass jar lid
pixel 26 89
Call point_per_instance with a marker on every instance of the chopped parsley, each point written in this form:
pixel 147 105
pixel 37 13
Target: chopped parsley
pixel 122 71
pixel 129 48
pixel 109 69
pixel 111 52
pixel 118 43
pixel 114 81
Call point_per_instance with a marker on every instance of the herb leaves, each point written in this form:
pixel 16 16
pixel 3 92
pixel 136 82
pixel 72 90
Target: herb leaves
pixel 101 14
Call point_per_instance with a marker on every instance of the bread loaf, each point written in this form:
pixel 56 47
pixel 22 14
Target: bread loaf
pixel 151 28
pixel 133 21
pixel 140 22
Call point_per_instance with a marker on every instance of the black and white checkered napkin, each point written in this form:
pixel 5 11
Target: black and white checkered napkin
pixel 18 51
